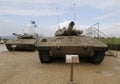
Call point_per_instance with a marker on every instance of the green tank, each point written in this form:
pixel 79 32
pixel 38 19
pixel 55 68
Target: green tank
pixel 25 42
pixel 70 41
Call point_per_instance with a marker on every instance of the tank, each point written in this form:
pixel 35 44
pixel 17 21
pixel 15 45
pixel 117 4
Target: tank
pixel 70 41
pixel 24 42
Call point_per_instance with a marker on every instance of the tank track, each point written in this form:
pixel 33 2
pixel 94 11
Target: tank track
pixel 44 55
pixel 97 58
pixel 8 46
pixel 27 48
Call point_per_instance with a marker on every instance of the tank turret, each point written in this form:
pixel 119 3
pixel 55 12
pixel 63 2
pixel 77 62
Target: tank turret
pixel 24 36
pixel 69 31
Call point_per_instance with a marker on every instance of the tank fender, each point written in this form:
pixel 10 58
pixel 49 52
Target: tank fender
pixel 100 49
pixel 44 48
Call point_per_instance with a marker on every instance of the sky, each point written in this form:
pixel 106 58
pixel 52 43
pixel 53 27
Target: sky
pixel 15 15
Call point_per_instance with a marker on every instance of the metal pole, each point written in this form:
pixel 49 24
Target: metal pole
pixel 94 33
pixel 13 46
pixel 13 50
pixel 116 52
pixel 58 18
pixel 74 12
pixel 98 30
pixel 71 77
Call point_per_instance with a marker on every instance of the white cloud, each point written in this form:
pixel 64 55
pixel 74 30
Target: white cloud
pixel 47 7
pixel 46 30
pixel 27 12
pixel 112 29
pixel 64 24
pixel 102 4
pixel 109 4
pixel 104 16
pixel 31 7
pixel 7 28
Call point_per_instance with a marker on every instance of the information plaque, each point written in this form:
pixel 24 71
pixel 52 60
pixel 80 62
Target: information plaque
pixel 13 46
pixel 72 59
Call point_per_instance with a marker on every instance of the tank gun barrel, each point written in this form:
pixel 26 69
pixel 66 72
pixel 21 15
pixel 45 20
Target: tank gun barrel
pixel 17 34
pixel 24 36
pixel 70 27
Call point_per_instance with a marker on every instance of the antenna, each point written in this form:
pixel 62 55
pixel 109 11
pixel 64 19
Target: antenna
pixel 32 27
pixel 74 14
pixel 58 18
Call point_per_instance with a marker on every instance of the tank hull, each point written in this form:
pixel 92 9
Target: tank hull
pixel 21 45
pixel 79 50
pixel 60 46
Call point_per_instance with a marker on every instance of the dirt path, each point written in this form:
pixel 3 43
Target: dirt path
pixel 25 68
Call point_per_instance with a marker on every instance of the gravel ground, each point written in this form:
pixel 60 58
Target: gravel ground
pixel 25 68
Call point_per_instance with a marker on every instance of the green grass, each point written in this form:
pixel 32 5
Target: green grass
pixel 115 41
